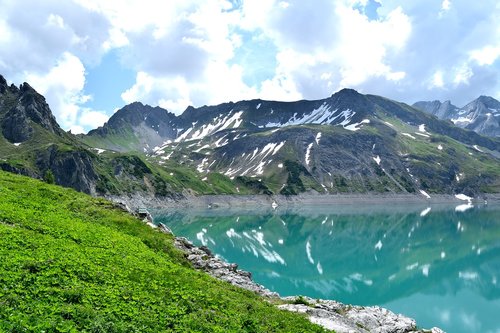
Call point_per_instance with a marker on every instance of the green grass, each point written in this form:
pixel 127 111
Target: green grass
pixel 73 263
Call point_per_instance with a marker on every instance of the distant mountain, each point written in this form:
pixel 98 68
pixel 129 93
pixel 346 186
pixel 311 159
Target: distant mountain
pixel 135 127
pixel 348 142
pixel 481 115
pixel 444 110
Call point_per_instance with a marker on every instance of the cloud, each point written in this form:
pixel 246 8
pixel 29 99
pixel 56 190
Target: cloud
pixel 206 52
pixel 62 87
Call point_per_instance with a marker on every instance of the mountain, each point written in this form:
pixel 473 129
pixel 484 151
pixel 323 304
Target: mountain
pixel 481 115
pixel 346 143
pixel 135 127
pixel 33 144
pixel 444 110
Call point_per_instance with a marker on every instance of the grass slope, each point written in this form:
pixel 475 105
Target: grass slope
pixel 73 263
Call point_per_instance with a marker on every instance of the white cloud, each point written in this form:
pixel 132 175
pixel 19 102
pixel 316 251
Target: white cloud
pixel 486 55
pixel 192 52
pixel 62 86
pixel 437 80
pixel 92 119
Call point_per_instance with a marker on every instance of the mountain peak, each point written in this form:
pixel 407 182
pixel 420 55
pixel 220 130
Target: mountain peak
pixel 3 84
pixel 347 92
pixel 30 108
pixel 488 101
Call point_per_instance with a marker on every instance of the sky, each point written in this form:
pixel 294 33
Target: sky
pixel 92 57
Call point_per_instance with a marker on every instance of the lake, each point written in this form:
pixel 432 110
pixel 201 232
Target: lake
pixel 437 264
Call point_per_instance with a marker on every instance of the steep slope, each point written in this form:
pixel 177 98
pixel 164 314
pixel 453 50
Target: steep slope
pixel 135 127
pixel 72 263
pixel 481 115
pixel 444 110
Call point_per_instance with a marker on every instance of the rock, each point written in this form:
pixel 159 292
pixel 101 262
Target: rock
pixel 351 319
pixel 163 228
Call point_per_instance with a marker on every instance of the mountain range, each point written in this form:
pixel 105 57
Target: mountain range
pixel 481 115
pixel 346 143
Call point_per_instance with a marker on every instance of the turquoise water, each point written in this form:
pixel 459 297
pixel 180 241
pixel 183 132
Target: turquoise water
pixel 435 264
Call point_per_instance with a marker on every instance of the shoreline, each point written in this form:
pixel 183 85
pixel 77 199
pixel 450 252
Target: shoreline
pixel 330 314
pixel 280 202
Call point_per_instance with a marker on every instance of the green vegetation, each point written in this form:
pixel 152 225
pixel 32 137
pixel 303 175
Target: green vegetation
pixel 72 263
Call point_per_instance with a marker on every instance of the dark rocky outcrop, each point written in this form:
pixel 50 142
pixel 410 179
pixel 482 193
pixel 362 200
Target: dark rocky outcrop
pixel 22 110
pixel 73 169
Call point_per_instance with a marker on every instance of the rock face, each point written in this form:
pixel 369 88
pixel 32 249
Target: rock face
pixel 444 110
pixel 21 110
pixel 481 115
pixel 73 169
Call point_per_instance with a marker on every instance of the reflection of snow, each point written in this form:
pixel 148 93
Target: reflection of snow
pixel 425 269
pixel 378 246
pixel 319 268
pixel 231 233
pixel 468 275
pixel 308 252
pixel 464 207
pixel 425 211
pixel 412 266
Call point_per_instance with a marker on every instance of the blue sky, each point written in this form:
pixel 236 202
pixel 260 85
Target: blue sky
pixel 91 57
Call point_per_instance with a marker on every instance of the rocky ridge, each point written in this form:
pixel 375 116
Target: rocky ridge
pixel 330 314
pixel 482 115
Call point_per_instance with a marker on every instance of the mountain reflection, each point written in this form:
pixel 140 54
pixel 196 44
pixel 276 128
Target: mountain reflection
pixel 368 255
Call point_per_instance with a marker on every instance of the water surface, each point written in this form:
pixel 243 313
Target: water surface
pixel 436 264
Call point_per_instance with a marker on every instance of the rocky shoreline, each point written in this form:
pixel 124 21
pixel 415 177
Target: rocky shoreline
pixel 329 314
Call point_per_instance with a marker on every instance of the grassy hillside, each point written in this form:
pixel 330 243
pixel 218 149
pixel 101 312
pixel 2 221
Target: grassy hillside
pixel 72 263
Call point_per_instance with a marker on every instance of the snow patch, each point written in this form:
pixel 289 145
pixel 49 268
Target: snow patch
pixel 357 126
pixel 409 135
pixel 215 126
pixel 318 137
pixel 308 153
pixel 477 148
pixel 377 159
pixel 463 197
pixel 99 150
pixel 425 194
pixel 440 147
pixel 421 128
pixel 422 134
pixel 258 106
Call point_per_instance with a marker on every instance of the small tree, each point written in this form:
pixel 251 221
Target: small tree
pixel 49 177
